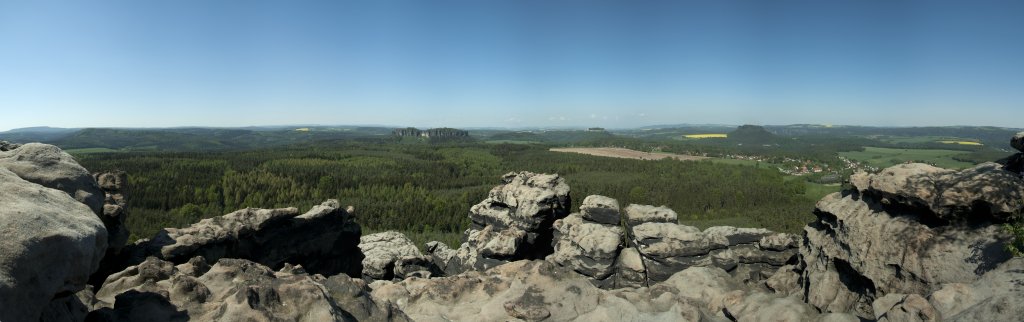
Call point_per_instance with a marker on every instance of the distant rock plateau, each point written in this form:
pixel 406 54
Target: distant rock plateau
pixel 910 243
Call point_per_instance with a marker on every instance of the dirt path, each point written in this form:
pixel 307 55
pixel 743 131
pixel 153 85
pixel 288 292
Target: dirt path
pixel 628 154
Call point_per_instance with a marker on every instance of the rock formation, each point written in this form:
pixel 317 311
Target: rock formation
pixel 513 223
pixel 391 255
pixel 909 229
pixel 50 167
pixel 50 242
pixel 594 244
pixel 539 290
pixel 236 290
pixel 115 207
pixel 1015 163
pixel 323 240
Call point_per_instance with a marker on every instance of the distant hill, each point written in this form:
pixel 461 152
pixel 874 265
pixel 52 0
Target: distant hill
pixel 36 134
pixel 752 134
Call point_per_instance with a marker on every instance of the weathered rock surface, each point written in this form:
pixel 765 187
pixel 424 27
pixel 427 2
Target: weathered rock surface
pixel 392 255
pixel 323 240
pixel 601 210
pixel 982 193
pixel 667 248
pixel 234 290
pixel 7 146
pixel 50 244
pixel 115 205
pixel 903 307
pixel 539 290
pixel 513 223
pixel 639 214
pixel 50 167
pixel 587 247
pixel 996 296
pixel 908 230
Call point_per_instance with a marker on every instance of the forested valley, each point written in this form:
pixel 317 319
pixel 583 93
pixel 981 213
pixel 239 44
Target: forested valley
pixel 426 190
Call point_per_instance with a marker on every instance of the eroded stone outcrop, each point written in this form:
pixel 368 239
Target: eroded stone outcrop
pixel 540 290
pixel 323 240
pixel 908 230
pixel 50 245
pixel 49 166
pixel 235 290
pixel 594 244
pixel 513 223
pixel 389 255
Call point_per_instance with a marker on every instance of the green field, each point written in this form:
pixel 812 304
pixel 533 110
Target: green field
pixel 89 150
pixel 885 157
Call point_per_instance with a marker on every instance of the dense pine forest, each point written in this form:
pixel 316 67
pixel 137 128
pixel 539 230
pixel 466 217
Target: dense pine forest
pixel 426 189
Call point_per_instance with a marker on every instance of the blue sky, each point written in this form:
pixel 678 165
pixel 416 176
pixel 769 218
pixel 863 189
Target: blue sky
pixel 510 63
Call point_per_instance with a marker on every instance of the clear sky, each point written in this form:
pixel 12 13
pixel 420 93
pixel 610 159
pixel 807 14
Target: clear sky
pixel 510 63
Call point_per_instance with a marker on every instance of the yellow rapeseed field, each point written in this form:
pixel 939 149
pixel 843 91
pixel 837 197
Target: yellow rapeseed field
pixel 706 136
pixel 962 142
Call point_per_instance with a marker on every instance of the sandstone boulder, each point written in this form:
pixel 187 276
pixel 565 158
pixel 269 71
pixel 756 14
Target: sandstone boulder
pixel 50 167
pixel 587 247
pixel 323 240
pixel 639 214
pixel 390 255
pixel 996 296
pixel 860 250
pixel 601 210
pixel 903 307
pixel 50 244
pixel 235 290
pixel 982 193
pixel 540 290
pixel 513 223
pixel 7 146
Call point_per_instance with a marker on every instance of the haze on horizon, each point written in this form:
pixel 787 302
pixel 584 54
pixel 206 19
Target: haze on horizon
pixel 614 64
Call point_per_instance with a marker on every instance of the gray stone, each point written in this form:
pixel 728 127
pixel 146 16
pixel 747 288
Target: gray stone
pixel 235 289
pixel 588 248
pixel 7 146
pixel 904 307
pixel 639 214
pixel 50 245
pixel 736 236
pixel 856 251
pixel 668 248
pixel 629 269
pixel 979 193
pixel 50 167
pixel 440 254
pixel 513 222
pixel 382 250
pixel 996 296
pixel 779 242
pixel 600 209
pixel 323 240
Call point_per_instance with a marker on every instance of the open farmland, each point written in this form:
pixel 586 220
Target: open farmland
pixel 706 136
pixel 628 154
pixel 884 157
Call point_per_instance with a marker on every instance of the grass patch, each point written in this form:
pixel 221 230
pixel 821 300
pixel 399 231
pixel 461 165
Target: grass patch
pixel 816 191
pixel 89 150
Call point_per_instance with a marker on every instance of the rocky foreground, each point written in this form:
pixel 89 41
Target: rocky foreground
pixel 911 243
